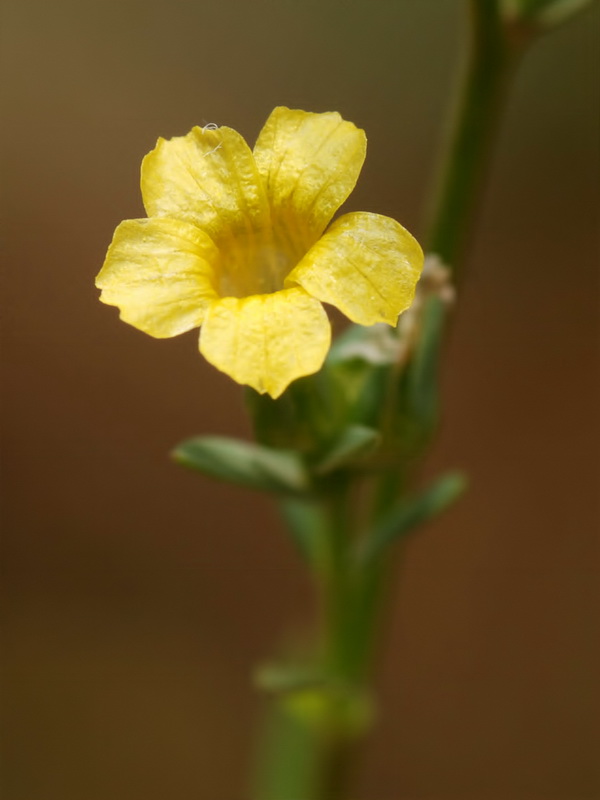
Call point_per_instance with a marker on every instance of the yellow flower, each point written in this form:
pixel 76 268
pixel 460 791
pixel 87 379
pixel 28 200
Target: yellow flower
pixel 236 242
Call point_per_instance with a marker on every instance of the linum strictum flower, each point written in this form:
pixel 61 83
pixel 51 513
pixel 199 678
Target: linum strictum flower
pixel 237 242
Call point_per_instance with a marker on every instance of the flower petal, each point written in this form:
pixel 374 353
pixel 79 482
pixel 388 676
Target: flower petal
pixel 208 177
pixel 267 340
pixel 159 273
pixel 310 163
pixel 366 265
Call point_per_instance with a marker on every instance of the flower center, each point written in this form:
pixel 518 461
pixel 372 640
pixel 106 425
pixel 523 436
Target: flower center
pixel 256 263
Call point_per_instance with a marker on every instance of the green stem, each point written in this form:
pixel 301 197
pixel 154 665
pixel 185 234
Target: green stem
pixel 320 757
pixel 336 753
pixel 489 64
pixel 316 744
pixel 335 580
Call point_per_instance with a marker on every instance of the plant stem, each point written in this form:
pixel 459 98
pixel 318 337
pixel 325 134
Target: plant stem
pixel 324 753
pixel 336 753
pixel 490 61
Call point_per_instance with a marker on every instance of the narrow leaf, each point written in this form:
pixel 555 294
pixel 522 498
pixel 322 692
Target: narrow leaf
pixel 409 514
pixel 243 463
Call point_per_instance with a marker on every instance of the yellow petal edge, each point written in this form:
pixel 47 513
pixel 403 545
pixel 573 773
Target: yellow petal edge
pixel 367 265
pixel 208 177
pixel 266 341
pixel 159 273
pixel 309 164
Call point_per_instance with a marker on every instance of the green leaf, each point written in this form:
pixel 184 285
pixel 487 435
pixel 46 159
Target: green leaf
pixel 410 514
pixel 355 442
pixel 244 463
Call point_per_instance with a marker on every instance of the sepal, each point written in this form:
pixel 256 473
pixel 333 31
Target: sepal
pixel 417 395
pixel 376 344
pixel 361 359
pixel 350 448
pixel 305 417
pixel 422 375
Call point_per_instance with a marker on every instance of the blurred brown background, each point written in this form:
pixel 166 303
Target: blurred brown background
pixel 138 596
